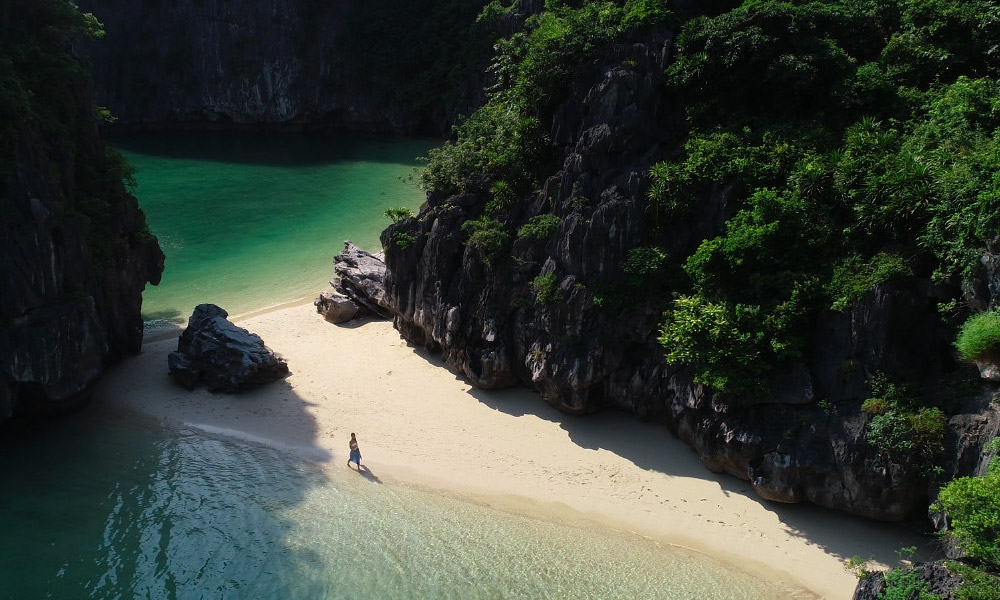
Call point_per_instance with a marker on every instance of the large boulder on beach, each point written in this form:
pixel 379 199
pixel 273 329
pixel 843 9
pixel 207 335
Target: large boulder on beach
pixel 222 356
pixel 360 276
pixel 335 307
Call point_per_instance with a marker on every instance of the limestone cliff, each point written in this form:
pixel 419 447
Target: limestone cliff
pixel 75 253
pixel 803 442
pixel 285 63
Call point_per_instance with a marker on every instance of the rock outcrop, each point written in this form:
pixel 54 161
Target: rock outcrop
pixel 941 582
pixel 279 64
pixel 804 442
pixel 359 287
pixel 75 253
pixel 222 356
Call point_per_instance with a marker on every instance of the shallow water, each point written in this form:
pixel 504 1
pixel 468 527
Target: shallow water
pixel 118 507
pixel 252 220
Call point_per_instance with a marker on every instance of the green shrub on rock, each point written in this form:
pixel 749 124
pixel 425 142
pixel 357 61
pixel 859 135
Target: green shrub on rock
pixel 539 226
pixel 973 508
pixel 979 337
pixel 486 235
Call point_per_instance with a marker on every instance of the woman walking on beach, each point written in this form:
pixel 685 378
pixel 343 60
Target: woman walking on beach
pixel 355 453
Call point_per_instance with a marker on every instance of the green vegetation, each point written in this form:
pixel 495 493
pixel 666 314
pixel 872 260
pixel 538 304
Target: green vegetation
pixel 505 140
pixel 976 584
pixel 47 121
pixel 539 226
pixel 397 214
pixel 854 276
pixel 979 337
pixel 546 289
pixel 858 138
pixel 906 584
pixel 403 240
pixel 486 235
pixel 862 132
pixel 901 425
pixel 973 508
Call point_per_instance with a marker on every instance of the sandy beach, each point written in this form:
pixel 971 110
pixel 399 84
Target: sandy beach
pixel 420 424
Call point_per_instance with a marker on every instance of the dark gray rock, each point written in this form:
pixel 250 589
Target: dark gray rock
pixel 806 442
pixel 361 278
pixel 222 356
pixel 232 64
pixel 336 308
pixel 75 254
pixel 941 582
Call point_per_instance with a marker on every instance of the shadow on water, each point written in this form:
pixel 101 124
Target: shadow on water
pixel 108 504
pixel 651 446
pixel 276 149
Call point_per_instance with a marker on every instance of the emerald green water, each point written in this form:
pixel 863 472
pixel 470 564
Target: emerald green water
pixel 107 505
pixel 248 221
pixel 111 506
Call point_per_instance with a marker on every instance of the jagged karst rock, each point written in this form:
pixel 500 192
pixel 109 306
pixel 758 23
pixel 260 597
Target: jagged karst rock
pixel 75 253
pixel 336 308
pixel 232 64
pixel 222 356
pixel 805 443
pixel 942 582
pixel 360 279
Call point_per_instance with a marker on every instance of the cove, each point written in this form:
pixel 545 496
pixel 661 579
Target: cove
pixel 248 221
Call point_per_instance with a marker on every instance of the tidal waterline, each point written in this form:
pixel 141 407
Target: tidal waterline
pixel 116 506
pixel 248 221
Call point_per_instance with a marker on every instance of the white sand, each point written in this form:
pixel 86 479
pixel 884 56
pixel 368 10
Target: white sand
pixel 420 424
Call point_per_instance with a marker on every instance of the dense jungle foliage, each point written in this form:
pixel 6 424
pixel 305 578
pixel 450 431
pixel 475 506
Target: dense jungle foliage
pixel 863 136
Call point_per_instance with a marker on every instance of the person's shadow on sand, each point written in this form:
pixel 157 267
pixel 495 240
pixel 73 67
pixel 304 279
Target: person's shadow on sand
pixel 367 474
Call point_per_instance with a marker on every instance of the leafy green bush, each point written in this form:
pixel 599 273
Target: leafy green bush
pixel 546 289
pixel 539 226
pixel 403 240
pixel 486 235
pixel 900 424
pixel 722 343
pixel 973 508
pixel 976 584
pixel 906 584
pixel 397 214
pixel 644 265
pixel 854 276
pixel 504 197
pixel 979 337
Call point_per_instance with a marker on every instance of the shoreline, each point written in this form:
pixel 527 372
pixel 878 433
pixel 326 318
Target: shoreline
pixel 419 424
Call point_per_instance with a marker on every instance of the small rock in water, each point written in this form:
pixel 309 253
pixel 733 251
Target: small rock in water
pixel 224 357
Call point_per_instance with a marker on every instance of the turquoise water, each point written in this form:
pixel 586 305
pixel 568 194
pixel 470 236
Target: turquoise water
pixel 115 506
pixel 252 220
pixel 111 506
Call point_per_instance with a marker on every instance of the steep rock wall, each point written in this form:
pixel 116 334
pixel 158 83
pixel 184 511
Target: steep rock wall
pixel 75 253
pixel 804 442
pixel 262 63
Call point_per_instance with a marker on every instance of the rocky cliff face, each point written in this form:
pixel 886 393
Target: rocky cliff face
pixel 804 442
pixel 228 63
pixel 75 253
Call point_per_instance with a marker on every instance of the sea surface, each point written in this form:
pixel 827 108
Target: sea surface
pixel 117 506
pixel 114 505
pixel 253 220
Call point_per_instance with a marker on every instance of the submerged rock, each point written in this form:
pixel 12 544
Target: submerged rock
pixel 224 357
